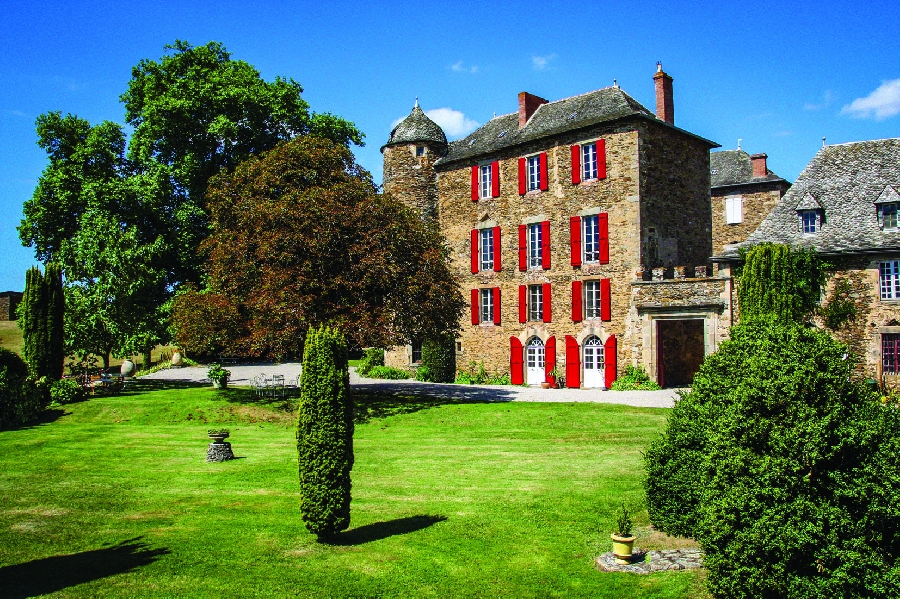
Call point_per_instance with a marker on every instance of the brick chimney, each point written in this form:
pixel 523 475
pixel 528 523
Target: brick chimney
pixel 759 165
pixel 665 107
pixel 528 103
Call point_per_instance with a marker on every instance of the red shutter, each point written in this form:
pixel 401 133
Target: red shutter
pixel 546 302
pixel 497 264
pixel 544 182
pixel 516 361
pixel 523 247
pixel 545 244
pixel 605 300
pixel 496 305
pixel 495 179
pixel 577 310
pixel 603 234
pixel 601 159
pixel 475 306
pixel 609 358
pixel 575 239
pixel 522 175
pixel 523 303
pixel 475 193
pixel 576 165
pixel 549 357
pixel 573 363
pixel 475 256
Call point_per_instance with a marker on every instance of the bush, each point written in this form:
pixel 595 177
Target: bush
pixel 477 375
pixel 634 379
pixel 65 391
pixel 388 372
pixel 325 434
pixel 423 374
pixel 372 357
pixel 439 356
pixel 783 468
pixel 22 398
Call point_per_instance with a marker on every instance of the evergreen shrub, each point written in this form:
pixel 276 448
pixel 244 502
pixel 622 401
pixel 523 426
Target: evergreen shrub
pixel 373 356
pixel 388 372
pixel 439 356
pixel 65 391
pixel 784 468
pixel 634 379
pixel 22 398
pixel 325 434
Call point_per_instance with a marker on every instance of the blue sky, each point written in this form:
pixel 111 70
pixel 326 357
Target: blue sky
pixel 779 76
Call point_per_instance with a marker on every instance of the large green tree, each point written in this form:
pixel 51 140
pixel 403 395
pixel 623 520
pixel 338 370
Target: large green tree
pixel 301 238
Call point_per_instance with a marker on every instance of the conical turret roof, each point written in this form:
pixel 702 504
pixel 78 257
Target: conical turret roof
pixel 416 127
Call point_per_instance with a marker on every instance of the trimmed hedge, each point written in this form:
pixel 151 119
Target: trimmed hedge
pixel 439 357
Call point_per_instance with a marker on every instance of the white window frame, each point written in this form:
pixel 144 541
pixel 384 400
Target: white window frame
pixel 534 172
pixel 535 303
pixel 589 161
pixel 590 239
pixel 810 221
pixel 888 209
pixel 889 279
pixel 535 246
pixel 486 305
pixel 486 249
pixel 484 180
pixel 734 209
pixel 592 301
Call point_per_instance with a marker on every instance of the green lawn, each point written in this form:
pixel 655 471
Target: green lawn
pixel 10 336
pixel 114 499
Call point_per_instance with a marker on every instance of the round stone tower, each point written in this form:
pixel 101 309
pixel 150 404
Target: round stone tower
pixel 409 156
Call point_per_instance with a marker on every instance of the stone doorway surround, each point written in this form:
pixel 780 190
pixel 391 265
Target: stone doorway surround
pixel 651 343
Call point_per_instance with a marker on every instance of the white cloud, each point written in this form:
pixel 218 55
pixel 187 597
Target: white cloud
pixel 540 62
pixel 880 104
pixel 459 68
pixel 453 122
pixel 827 97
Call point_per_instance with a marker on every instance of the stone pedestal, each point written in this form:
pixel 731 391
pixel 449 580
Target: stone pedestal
pixel 219 452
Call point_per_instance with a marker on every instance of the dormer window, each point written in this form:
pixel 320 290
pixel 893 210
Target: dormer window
pixel 420 150
pixel 810 222
pixel 887 216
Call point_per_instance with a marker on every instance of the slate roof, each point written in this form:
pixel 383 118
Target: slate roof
pixel 568 114
pixel 846 180
pixel 416 127
pixel 733 167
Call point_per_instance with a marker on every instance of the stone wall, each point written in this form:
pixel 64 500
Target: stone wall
pixel 758 199
pixel 411 178
pixel 8 303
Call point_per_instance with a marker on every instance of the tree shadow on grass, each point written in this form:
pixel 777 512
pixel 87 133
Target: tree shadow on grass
pixel 55 573
pixel 382 530
pixel 380 400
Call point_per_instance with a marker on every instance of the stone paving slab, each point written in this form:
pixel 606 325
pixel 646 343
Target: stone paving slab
pixel 242 373
pixel 646 562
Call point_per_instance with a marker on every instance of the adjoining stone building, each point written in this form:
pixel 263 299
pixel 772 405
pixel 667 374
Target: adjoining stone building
pixel 844 205
pixel 743 191
pixel 9 301
pixel 581 232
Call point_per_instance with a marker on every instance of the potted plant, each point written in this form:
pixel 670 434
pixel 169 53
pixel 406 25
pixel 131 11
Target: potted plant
pixel 623 540
pixel 218 435
pixel 555 376
pixel 218 376
pixel 177 357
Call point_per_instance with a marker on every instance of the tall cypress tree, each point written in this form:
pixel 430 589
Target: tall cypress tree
pixel 56 305
pixel 33 322
pixel 325 434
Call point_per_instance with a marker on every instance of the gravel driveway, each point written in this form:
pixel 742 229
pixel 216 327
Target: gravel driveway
pixel 241 375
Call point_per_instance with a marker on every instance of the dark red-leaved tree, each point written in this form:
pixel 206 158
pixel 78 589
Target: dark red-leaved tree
pixel 300 237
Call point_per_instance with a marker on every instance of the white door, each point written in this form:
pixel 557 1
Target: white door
pixel 534 362
pixel 593 363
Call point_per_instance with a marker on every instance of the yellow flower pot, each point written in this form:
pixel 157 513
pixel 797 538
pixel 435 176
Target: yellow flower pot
pixel 622 547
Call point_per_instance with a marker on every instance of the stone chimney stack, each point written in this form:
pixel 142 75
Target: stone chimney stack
pixel 759 165
pixel 528 103
pixel 665 106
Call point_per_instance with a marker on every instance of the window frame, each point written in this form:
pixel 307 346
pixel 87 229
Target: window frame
pixel 535 303
pixel 892 209
pixel 415 347
pixel 813 226
pixel 484 181
pixel 486 305
pixel 734 209
pixel 890 353
pixel 486 258
pixel 535 241
pixel 590 237
pixel 591 294
pixel 589 166
pixel 889 280
pixel 533 172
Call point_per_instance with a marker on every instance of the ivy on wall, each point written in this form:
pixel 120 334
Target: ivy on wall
pixel 777 280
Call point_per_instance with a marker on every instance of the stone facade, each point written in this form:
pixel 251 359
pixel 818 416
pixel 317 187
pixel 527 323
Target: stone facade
pixel 410 177
pixel 9 301
pixel 757 201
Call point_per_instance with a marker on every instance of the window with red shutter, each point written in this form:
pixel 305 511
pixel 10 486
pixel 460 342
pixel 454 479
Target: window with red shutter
pixel 603 237
pixel 545 244
pixel 496 292
pixel 495 179
pixel 576 301
pixel 497 265
pixel 576 164
pixel 545 184
pixel 475 251
pixel 516 361
pixel 475 306
pixel 475 192
pixel 601 159
pixel 547 303
pixel 575 240
pixel 523 303
pixel 523 188
pixel 573 363
pixel 605 300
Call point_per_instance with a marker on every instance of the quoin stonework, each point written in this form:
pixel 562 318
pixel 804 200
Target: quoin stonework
pixel 581 231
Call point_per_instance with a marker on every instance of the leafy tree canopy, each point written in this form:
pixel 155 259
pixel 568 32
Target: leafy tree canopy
pixel 301 238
